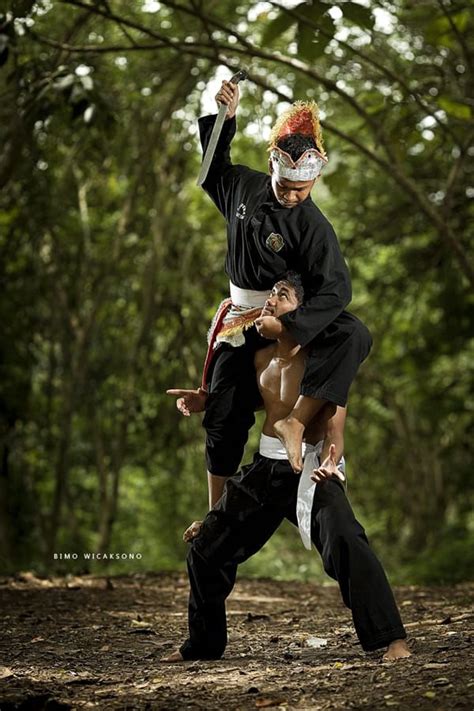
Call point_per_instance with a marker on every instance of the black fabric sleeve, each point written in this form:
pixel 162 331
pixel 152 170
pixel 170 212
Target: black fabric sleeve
pixel 327 285
pixel 220 181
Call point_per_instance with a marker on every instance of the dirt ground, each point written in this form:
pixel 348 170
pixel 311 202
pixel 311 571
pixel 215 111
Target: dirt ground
pixel 92 642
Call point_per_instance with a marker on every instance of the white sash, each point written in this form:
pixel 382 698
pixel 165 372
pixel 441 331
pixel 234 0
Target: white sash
pixel 247 298
pixel 306 489
pixel 272 448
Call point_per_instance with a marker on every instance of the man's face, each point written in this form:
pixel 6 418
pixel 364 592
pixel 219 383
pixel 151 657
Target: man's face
pixel 290 193
pixel 281 301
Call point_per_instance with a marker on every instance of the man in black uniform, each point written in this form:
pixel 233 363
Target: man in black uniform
pixel 255 502
pixel 273 227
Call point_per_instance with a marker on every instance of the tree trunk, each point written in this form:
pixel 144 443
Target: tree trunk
pixel 61 469
pixel 5 540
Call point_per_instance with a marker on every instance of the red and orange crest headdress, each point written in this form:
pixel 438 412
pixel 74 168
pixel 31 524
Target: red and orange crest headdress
pixel 303 118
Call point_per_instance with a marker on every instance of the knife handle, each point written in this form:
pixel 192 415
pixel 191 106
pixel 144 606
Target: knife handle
pixel 238 76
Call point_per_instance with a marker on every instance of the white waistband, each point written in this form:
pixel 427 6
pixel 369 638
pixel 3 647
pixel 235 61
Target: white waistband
pixel 272 448
pixel 247 298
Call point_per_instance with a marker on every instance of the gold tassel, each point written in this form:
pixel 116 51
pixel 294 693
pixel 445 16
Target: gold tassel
pixel 239 324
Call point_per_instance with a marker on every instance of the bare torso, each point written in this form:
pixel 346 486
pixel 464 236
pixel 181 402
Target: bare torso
pixel 279 380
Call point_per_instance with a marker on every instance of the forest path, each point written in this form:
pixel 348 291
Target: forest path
pixel 95 642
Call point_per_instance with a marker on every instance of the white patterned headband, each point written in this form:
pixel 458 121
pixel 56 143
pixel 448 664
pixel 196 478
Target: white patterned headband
pixel 308 166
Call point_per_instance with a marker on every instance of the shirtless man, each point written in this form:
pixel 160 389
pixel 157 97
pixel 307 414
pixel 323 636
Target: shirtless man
pixel 254 503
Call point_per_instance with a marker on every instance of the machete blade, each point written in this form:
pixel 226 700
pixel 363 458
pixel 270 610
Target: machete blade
pixel 216 132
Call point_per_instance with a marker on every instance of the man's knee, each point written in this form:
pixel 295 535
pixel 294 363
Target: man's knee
pixel 223 457
pixel 337 525
pixel 215 545
pixel 228 414
pixel 360 337
pixel 342 537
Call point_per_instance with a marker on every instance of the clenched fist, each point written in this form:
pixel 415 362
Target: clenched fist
pixel 269 326
pixel 229 95
pixel 192 531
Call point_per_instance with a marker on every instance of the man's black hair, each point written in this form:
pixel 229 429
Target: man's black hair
pixel 295 144
pixel 294 280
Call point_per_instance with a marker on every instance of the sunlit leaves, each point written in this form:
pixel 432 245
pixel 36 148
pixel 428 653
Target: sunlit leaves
pixel 440 30
pixel 64 82
pixel 455 108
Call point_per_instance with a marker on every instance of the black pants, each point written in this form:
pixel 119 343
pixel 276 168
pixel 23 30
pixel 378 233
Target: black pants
pixel 252 507
pixel 333 361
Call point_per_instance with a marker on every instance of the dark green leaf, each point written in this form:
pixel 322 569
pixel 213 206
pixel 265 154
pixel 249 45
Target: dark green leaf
pixel 311 43
pixel 373 101
pixel 327 25
pixel 22 8
pixel 358 14
pixel 313 11
pixel 79 107
pixel 3 56
pixel 277 27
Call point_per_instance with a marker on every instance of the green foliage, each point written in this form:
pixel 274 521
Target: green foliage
pixel 451 561
pixel 112 265
pixel 358 14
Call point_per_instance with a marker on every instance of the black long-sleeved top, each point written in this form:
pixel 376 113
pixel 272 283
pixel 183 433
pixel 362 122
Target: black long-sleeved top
pixel 309 245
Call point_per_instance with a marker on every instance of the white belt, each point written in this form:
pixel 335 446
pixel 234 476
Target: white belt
pixel 248 298
pixel 306 489
pixel 272 448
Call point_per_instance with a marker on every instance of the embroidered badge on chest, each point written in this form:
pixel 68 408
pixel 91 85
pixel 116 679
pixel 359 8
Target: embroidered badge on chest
pixel 275 242
pixel 241 210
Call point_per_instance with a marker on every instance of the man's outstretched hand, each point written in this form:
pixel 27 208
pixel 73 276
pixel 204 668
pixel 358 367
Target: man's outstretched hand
pixel 229 94
pixel 189 400
pixel 328 468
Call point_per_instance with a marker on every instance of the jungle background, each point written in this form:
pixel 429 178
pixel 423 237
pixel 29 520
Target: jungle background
pixel 111 264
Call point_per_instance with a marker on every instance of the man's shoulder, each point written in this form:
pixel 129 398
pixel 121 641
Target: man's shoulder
pixel 312 220
pixel 309 209
pixel 252 176
pixel 263 356
pixel 250 184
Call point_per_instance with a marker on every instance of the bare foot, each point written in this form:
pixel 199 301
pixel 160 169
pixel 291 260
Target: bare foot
pixel 398 649
pixel 290 431
pixel 172 658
